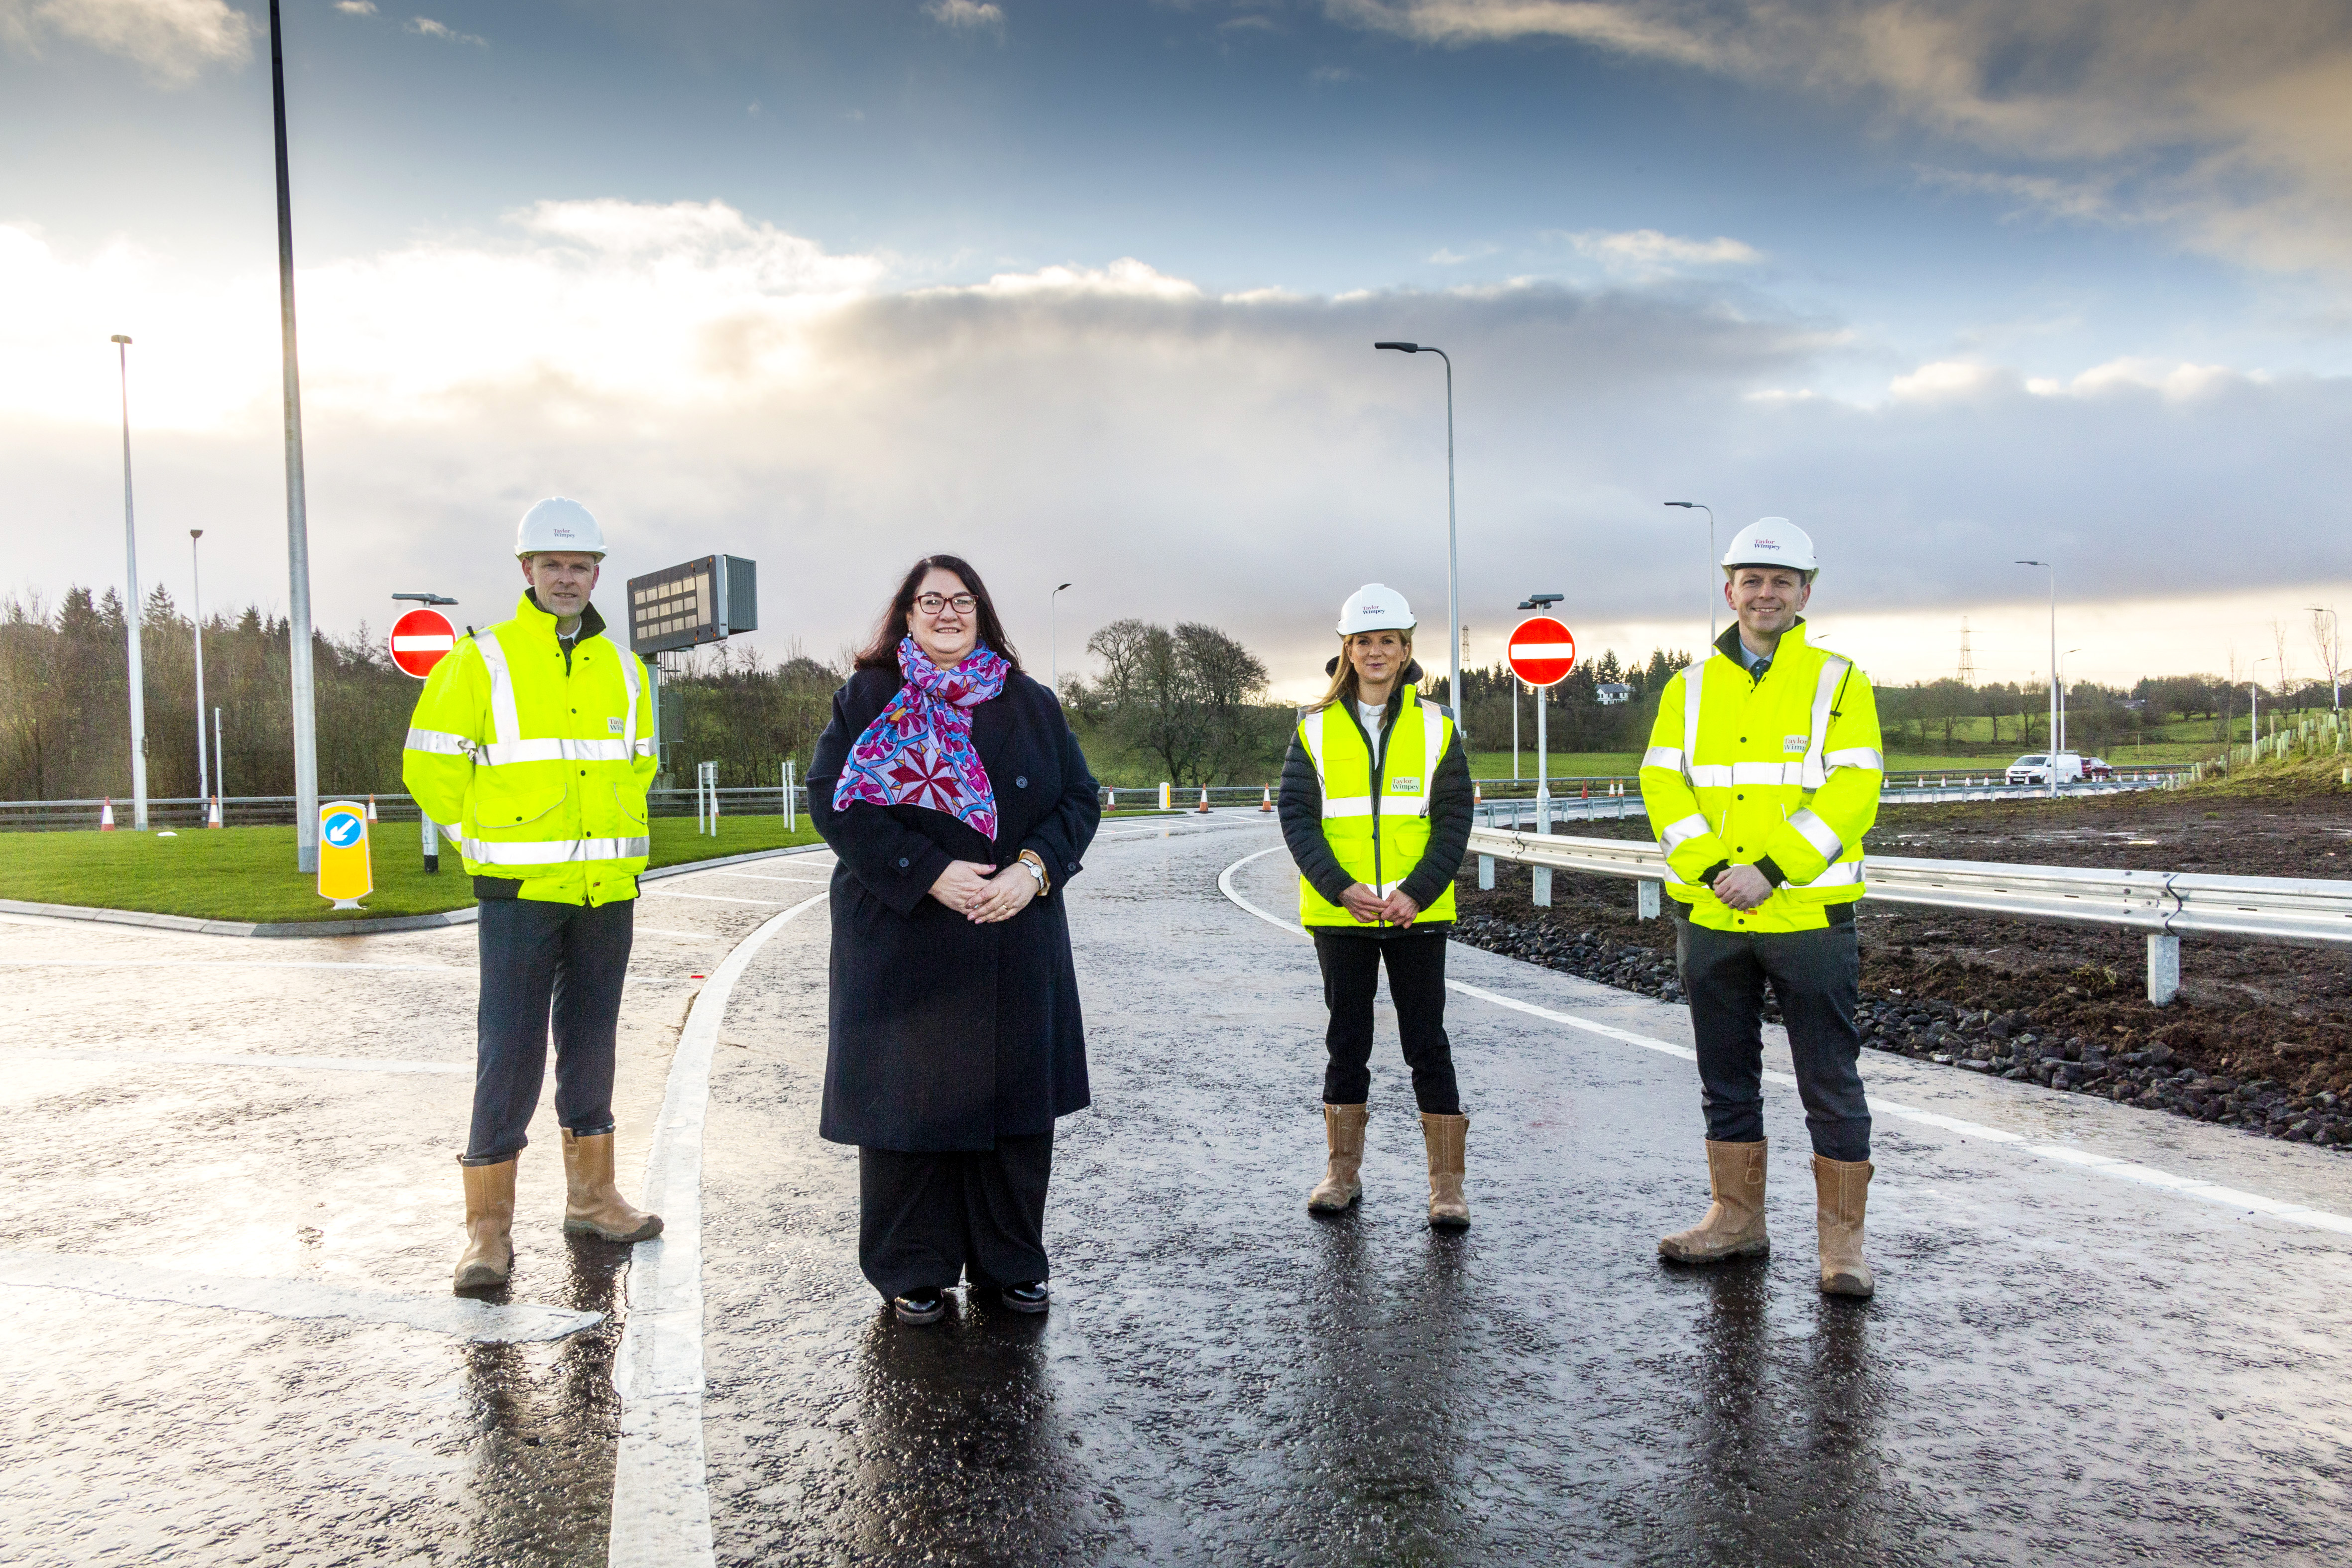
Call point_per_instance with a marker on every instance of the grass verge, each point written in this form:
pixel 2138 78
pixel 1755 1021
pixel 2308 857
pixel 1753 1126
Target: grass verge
pixel 247 873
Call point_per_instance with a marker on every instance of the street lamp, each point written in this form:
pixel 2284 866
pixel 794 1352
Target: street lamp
pixel 2062 696
pixel 297 521
pixel 427 598
pixel 131 610
pixel 1714 598
pixel 2334 653
pixel 1054 639
pixel 2053 668
pixel 197 609
pixel 1453 576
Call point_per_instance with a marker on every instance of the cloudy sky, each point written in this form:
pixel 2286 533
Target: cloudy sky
pixel 1088 291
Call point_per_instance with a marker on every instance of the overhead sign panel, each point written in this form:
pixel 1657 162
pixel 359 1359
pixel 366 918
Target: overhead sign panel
pixel 700 601
pixel 1542 651
pixel 421 640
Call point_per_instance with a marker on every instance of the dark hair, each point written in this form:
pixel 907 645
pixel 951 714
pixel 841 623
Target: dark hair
pixel 882 652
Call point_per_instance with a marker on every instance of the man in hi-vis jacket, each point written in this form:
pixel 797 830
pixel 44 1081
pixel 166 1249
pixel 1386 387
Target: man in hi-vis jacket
pixel 536 737
pixel 1762 776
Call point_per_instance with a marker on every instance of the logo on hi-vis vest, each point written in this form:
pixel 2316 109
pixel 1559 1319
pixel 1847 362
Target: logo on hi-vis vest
pixel 613 725
pixel 1401 785
pixel 1796 743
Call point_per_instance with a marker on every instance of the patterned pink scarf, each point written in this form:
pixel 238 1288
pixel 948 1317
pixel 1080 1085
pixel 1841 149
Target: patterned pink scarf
pixel 918 752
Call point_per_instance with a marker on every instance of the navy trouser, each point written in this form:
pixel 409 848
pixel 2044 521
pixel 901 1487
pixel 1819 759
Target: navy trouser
pixel 547 970
pixel 928 1219
pixel 1351 971
pixel 1816 976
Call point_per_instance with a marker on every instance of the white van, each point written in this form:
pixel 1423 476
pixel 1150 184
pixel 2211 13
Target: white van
pixel 2035 769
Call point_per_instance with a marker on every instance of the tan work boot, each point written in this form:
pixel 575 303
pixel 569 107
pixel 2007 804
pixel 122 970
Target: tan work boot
pixel 1734 1224
pixel 489 1256
pixel 1445 1137
pixel 1343 1129
pixel 1839 1190
pixel 590 1201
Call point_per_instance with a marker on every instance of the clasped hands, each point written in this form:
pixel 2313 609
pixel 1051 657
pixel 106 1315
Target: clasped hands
pixel 983 895
pixel 1369 908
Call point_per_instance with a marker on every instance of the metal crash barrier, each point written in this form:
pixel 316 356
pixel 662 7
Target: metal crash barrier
pixel 2165 905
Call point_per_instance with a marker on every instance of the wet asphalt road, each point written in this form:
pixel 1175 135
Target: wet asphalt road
pixel 2060 1365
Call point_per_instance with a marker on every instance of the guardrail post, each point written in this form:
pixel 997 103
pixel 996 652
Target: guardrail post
pixel 1541 877
pixel 1645 898
pixel 2163 968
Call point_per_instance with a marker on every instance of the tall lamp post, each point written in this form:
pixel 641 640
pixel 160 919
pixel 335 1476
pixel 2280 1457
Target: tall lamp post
pixel 1714 598
pixel 196 610
pixel 2334 655
pixel 131 610
pixel 297 523
pixel 2053 668
pixel 1453 574
pixel 1054 639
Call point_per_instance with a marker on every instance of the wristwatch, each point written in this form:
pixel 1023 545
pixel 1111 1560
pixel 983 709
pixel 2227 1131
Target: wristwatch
pixel 1036 868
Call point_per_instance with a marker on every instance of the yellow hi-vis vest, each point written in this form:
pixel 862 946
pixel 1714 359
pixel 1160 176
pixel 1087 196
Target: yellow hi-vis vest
pixel 1375 819
pixel 542 769
pixel 1787 768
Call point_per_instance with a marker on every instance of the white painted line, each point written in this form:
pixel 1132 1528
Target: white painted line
pixel 764 877
pixel 661 1489
pixel 706 898
pixel 691 935
pixel 227 963
pixel 133 1281
pixel 2080 1158
pixel 230 1059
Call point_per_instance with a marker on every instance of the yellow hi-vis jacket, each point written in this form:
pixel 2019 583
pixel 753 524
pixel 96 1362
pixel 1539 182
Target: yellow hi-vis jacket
pixel 1375 819
pixel 1781 773
pixel 540 762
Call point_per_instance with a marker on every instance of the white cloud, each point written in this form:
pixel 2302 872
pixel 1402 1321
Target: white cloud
pixel 426 27
pixel 174 40
pixel 968 16
pixel 1949 380
pixel 356 8
pixel 1647 251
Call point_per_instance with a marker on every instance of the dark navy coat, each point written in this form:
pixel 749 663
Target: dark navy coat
pixel 946 1034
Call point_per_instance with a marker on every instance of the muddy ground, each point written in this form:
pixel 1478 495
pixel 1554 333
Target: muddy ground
pixel 2260 1037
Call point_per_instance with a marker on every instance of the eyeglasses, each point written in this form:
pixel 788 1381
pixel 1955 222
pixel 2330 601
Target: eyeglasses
pixel 932 604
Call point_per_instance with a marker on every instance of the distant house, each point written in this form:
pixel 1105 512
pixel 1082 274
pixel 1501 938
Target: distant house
pixel 1613 692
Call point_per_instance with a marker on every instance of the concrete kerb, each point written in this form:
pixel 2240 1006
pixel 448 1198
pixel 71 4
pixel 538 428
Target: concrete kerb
pixel 346 927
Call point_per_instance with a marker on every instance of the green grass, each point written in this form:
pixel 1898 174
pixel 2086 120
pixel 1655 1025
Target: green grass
pixel 247 873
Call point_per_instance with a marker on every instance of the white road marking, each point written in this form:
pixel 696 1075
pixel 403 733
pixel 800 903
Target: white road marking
pixel 764 877
pixel 2080 1158
pixel 227 963
pixel 283 1298
pixel 692 935
pixel 661 1490
pixel 231 1059
pixel 706 898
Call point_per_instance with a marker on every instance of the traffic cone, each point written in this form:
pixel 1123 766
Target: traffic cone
pixel 371 809
pixel 1586 792
pixel 1204 798
pixel 106 816
pixel 1269 797
pixel 212 817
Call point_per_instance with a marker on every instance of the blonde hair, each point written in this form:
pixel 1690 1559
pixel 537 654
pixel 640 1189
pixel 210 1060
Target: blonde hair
pixel 1343 679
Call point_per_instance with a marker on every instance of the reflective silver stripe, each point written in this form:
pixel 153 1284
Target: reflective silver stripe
pixel 555 750
pixel 1310 729
pixel 1766 772
pixel 543 852
pixel 628 679
pixel 439 742
pixel 1663 757
pixel 1816 772
pixel 644 748
pixel 1433 748
pixel 1844 874
pixel 1855 757
pixel 503 716
pixel 1693 682
pixel 1678 834
pixel 1354 805
pixel 1817 833
pixel 1709 775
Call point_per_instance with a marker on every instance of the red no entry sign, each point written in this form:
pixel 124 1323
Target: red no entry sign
pixel 1542 651
pixel 421 640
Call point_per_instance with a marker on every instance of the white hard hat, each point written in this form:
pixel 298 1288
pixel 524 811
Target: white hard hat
pixel 559 522
pixel 1375 607
pixel 1772 542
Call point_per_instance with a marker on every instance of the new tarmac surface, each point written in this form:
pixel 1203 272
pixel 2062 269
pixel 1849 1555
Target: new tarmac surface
pixel 2100 1335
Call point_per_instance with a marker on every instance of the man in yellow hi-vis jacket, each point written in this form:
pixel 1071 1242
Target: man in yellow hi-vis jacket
pixel 536 737
pixel 1762 776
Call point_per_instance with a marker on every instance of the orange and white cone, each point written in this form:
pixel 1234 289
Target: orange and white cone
pixel 1586 793
pixel 1269 799
pixel 1205 799
pixel 371 808
pixel 106 816
pixel 212 817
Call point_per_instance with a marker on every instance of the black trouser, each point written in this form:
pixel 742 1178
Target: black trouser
pixel 1351 969
pixel 546 968
pixel 926 1219
pixel 1816 976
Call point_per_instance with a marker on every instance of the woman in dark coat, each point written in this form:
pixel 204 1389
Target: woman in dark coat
pixel 959 805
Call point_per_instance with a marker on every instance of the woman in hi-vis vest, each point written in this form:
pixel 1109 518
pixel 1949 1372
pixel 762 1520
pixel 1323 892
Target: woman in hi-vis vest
pixel 1376 806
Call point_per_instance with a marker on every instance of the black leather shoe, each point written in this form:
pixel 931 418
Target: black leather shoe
pixel 920 1307
pixel 1031 1297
